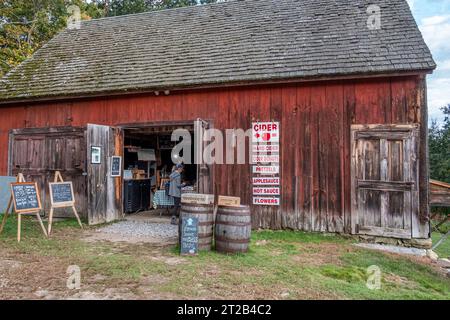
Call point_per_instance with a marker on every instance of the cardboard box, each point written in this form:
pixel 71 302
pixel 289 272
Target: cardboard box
pixel 197 198
pixel 229 201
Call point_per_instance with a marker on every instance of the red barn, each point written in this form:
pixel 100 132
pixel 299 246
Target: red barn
pixel 345 82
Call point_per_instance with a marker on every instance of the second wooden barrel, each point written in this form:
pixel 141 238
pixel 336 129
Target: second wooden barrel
pixel 233 229
pixel 205 215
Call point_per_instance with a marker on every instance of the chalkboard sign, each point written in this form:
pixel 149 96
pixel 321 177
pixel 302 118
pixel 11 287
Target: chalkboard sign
pixel 189 236
pixel 26 197
pixel 116 166
pixel 61 193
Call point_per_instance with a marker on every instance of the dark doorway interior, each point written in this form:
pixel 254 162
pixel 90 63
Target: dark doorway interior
pixel 147 166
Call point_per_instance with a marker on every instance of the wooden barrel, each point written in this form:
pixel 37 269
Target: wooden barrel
pixel 205 215
pixel 233 229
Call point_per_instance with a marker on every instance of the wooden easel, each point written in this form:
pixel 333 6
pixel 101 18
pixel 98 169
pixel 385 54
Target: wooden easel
pixel 21 178
pixel 71 204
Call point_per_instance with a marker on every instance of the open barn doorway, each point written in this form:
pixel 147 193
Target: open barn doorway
pixel 146 209
pixel 148 162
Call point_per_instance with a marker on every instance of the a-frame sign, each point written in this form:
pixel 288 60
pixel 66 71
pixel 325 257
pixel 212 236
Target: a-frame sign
pixel 61 196
pixel 25 200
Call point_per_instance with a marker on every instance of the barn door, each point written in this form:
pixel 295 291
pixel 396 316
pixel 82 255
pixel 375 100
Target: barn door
pixel 204 183
pixel 104 191
pixel 384 180
pixel 39 152
pixel 28 156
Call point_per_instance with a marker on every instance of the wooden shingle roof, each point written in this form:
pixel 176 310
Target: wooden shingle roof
pixel 231 42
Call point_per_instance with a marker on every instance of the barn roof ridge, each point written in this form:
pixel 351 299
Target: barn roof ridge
pixel 240 41
pixel 123 16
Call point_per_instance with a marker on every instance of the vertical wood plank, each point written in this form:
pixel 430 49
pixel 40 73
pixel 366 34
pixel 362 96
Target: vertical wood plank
pixel 334 157
pixel 289 158
pixel 423 223
pixel 349 119
pixel 384 177
pixel 304 157
pixel 317 103
pixel 275 212
pixel 98 135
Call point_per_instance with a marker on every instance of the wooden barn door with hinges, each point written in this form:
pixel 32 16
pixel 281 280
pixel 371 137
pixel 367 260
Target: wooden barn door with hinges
pixel 384 168
pixel 104 191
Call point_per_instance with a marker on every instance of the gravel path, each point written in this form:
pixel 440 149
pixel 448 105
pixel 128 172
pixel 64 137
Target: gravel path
pixel 141 229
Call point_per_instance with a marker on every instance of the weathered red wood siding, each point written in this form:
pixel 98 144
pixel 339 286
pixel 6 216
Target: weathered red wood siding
pixel 315 120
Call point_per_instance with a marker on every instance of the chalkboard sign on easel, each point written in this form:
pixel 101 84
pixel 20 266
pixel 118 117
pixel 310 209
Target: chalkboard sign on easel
pixel 24 199
pixel 189 236
pixel 61 196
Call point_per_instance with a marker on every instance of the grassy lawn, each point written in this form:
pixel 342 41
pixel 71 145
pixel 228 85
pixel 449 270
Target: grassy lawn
pixel 444 248
pixel 280 265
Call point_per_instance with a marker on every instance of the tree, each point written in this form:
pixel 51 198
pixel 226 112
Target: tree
pixel 439 148
pixel 25 25
pixel 121 7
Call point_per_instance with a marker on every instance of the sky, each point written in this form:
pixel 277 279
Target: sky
pixel 433 18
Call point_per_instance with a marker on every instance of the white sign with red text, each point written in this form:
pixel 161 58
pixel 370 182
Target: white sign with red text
pixel 266 191
pixel 262 181
pixel 265 148
pixel 264 132
pixel 266 201
pixel 266 170
pixel 265 158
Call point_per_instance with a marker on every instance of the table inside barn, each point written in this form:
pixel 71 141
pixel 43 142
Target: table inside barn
pixel 162 201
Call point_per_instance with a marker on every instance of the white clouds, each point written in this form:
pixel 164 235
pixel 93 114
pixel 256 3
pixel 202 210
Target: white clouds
pixel 444 65
pixel 438 96
pixel 433 17
pixel 435 20
pixel 436 31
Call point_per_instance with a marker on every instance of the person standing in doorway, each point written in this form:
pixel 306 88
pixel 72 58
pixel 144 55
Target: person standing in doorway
pixel 175 190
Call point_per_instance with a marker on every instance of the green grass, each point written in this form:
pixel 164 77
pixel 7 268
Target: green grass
pixel 443 228
pixel 303 265
pixel 444 248
pixel 401 278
